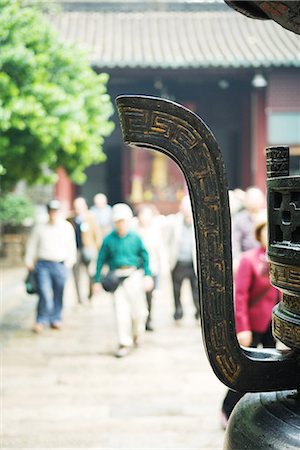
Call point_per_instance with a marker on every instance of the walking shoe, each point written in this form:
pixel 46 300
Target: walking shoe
pixel 56 325
pixel 178 315
pixel 37 328
pixel 122 351
pixel 149 326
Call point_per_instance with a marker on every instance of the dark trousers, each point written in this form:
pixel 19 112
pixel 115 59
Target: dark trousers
pixel 232 397
pixel 149 296
pixel 149 304
pixel 181 272
pixel 79 267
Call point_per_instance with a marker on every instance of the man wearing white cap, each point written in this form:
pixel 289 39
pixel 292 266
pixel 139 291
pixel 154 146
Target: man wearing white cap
pixel 125 254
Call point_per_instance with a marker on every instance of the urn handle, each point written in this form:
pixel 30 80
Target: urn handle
pixel 170 128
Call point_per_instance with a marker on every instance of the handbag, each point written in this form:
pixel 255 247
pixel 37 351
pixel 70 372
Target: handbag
pixel 110 282
pixel 31 284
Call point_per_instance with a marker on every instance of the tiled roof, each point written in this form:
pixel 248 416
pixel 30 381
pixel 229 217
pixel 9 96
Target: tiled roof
pixel 179 39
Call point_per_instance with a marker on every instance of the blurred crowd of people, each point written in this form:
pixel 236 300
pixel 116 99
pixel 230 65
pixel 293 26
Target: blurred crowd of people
pixel 115 249
pixel 125 251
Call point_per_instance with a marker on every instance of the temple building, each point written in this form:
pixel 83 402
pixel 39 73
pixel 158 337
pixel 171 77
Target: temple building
pixel 240 75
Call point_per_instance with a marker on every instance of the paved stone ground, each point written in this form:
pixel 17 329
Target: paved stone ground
pixel 65 389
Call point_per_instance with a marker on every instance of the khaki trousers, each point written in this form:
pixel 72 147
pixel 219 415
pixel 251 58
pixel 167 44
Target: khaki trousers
pixel 131 308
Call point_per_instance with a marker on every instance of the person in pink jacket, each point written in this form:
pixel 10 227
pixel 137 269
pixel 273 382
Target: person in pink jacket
pixel 255 298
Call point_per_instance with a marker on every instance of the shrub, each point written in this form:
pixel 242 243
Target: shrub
pixel 15 210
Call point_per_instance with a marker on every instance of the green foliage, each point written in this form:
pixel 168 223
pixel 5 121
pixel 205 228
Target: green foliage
pixel 54 109
pixel 15 209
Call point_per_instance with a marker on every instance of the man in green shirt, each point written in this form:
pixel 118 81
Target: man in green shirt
pixel 124 253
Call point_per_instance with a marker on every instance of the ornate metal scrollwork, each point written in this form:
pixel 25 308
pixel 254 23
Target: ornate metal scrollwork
pixel 167 127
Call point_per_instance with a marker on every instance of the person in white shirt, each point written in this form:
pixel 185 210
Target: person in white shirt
pixel 182 255
pixel 50 253
pixel 148 229
pixel 103 213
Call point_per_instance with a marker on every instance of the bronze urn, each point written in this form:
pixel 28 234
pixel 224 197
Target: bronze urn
pixel 269 416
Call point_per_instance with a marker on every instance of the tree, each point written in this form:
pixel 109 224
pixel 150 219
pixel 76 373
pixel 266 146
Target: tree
pixel 54 109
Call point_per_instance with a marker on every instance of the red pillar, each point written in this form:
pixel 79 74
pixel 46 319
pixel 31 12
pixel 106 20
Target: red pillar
pixel 64 189
pixel 126 171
